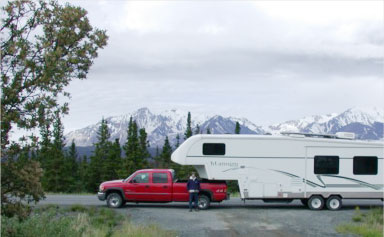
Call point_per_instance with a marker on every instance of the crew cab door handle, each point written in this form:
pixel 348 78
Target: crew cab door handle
pixel 165 186
pixel 147 186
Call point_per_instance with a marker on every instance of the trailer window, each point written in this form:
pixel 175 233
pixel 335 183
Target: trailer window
pixel 213 149
pixel 159 178
pixel 326 165
pixel 365 165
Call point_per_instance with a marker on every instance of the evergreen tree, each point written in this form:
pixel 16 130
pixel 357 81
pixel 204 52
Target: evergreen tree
pixel 157 158
pixel 237 128
pixel 197 130
pixel 56 176
pixel 144 144
pixel 72 167
pixel 177 141
pixel 113 161
pixel 166 154
pixel 188 131
pixel 96 170
pixel 208 130
pixel 136 149
pixel 84 174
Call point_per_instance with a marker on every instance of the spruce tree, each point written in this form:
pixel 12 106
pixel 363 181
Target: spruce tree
pixel 135 148
pixel 72 167
pixel 177 141
pixel 84 174
pixel 166 154
pixel 113 161
pixel 208 130
pixel 197 129
pixel 157 158
pixel 144 144
pixel 237 128
pixel 97 168
pixel 56 176
pixel 188 131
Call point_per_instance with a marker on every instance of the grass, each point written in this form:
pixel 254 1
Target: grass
pixel 367 224
pixel 77 221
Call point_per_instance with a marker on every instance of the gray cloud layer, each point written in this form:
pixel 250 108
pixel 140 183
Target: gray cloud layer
pixel 251 59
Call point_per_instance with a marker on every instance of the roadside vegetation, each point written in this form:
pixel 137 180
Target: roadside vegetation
pixel 76 220
pixel 367 224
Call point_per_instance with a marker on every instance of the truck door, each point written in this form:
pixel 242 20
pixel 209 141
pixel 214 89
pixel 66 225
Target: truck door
pixel 161 187
pixel 138 188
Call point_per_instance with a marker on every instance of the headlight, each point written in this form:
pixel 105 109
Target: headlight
pixel 101 188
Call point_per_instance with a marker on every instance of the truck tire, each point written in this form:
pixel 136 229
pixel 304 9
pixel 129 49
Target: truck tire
pixel 334 203
pixel 114 200
pixel 316 202
pixel 204 202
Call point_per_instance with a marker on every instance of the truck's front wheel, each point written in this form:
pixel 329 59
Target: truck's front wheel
pixel 114 200
pixel 204 202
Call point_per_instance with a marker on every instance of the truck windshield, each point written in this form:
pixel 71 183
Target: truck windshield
pixel 128 177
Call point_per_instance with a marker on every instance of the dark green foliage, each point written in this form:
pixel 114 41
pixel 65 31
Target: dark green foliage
pixel 197 129
pixel 56 174
pixel 113 161
pixel 177 141
pixel 136 150
pixel 237 128
pixel 188 131
pixel 20 185
pixel 233 186
pixel 72 169
pixel 97 165
pixel 44 47
pixel 166 153
pixel 208 131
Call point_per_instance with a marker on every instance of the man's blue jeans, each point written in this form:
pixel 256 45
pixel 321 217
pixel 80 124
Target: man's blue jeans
pixel 193 197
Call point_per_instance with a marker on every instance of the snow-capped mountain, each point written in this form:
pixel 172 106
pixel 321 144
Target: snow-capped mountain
pixel 168 123
pixel 367 123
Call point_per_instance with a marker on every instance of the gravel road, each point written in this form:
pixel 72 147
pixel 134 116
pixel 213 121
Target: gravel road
pixel 232 217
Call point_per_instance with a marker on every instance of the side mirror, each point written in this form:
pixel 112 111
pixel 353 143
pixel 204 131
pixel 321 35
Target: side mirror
pixel 132 181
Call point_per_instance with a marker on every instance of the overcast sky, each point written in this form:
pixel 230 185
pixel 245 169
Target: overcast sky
pixel 268 61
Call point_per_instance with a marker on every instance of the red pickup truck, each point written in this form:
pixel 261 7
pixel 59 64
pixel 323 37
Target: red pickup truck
pixel 158 185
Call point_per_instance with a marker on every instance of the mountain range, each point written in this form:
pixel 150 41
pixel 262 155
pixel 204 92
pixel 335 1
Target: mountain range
pixel 366 123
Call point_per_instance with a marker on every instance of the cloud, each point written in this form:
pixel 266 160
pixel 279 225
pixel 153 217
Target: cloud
pixel 268 61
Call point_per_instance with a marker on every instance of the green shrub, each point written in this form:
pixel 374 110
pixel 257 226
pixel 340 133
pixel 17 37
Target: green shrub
pixel 369 224
pixel 76 221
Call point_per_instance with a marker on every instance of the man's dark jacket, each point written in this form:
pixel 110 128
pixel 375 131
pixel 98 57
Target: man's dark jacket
pixel 193 184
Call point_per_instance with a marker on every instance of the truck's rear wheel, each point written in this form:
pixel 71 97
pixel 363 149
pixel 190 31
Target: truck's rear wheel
pixel 204 202
pixel 114 200
pixel 334 203
pixel 316 202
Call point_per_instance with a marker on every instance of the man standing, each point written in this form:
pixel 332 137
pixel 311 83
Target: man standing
pixel 193 187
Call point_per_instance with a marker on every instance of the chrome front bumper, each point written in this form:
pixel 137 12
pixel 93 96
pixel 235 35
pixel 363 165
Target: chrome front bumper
pixel 101 196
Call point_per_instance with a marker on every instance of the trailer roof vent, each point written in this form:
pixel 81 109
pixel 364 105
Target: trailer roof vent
pixel 345 135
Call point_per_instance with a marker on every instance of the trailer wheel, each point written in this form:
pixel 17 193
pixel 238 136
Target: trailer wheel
pixel 316 202
pixel 204 202
pixel 334 203
pixel 304 201
pixel 114 200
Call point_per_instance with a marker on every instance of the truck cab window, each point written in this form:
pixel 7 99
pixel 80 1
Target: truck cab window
pixel 160 178
pixel 213 149
pixel 326 165
pixel 141 178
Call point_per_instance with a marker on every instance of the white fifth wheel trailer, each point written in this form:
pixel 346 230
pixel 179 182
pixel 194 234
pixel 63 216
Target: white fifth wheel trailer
pixel 318 169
